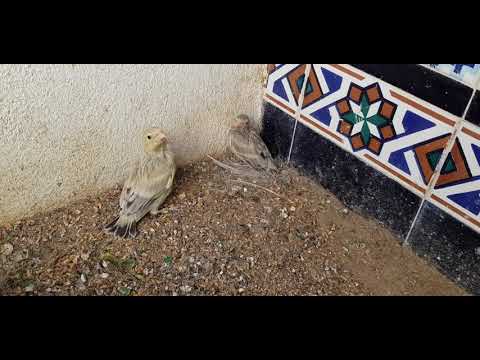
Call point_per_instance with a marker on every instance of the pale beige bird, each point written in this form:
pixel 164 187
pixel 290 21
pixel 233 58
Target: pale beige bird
pixel 248 146
pixel 148 185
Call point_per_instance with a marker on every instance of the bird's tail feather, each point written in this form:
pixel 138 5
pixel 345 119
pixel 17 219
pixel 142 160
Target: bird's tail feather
pixel 122 227
pixel 238 169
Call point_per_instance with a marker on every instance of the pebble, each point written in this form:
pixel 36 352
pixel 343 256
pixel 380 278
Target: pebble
pixel 241 290
pixel 345 211
pixel 104 264
pixel 29 288
pixel 7 249
pixel 83 278
pixel 104 275
pixel 18 257
pixel 186 288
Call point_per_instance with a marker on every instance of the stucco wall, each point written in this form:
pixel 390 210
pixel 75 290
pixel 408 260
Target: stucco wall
pixel 71 130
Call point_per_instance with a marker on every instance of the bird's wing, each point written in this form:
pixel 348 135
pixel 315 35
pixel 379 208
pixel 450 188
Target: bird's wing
pixel 127 186
pixel 259 146
pixel 250 148
pixel 142 191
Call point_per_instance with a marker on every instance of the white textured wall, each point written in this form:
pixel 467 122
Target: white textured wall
pixel 71 130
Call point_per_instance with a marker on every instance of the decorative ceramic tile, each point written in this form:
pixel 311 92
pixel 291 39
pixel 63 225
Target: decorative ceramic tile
pixel 423 83
pixel 468 73
pixel 284 86
pixel 457 190
pixel 383 126
pixel 396 133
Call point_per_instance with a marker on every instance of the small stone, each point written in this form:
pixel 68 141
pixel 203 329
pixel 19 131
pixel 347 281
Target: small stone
pixel 245 189
pixel 186 288
pixel 104 275
pixel 292 208
pixel 345 211
pixel 83 278
pixel 241 290
pixel 124 291
pixel 77 212
pixel 7 249
pixel 29 288
pixel 18 256
pixel 104 264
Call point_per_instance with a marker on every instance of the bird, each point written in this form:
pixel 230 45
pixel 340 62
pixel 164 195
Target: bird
pixel 148 185
pixel 246 145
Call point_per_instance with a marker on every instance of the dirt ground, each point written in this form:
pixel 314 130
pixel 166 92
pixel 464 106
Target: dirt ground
pixel 215 236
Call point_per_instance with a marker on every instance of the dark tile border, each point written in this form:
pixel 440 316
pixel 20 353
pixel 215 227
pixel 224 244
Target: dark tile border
pixel 426 84
pixel 277 131
pixel 449 245
pixel 473 114
pixel 356 184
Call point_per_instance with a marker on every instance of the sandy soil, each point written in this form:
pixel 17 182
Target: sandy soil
pixel 215 236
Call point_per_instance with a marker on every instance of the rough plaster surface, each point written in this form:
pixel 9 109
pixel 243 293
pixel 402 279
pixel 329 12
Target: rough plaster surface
pixel 72 130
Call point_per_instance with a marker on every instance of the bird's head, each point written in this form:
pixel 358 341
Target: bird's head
pixel 154 140
pixel 241 122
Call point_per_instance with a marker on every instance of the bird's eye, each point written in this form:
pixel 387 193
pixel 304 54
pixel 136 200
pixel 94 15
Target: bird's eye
pixel 149 137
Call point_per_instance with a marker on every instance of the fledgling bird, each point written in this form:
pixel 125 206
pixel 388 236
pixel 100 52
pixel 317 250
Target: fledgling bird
pixel 148 185
pixel 248 146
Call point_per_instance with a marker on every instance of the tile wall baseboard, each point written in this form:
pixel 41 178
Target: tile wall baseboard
pixel 386 138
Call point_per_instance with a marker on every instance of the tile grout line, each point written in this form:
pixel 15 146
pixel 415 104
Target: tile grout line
pixel 439 166
pixel 299 109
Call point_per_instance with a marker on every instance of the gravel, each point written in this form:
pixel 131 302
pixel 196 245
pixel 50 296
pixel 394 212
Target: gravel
pixel 214 237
